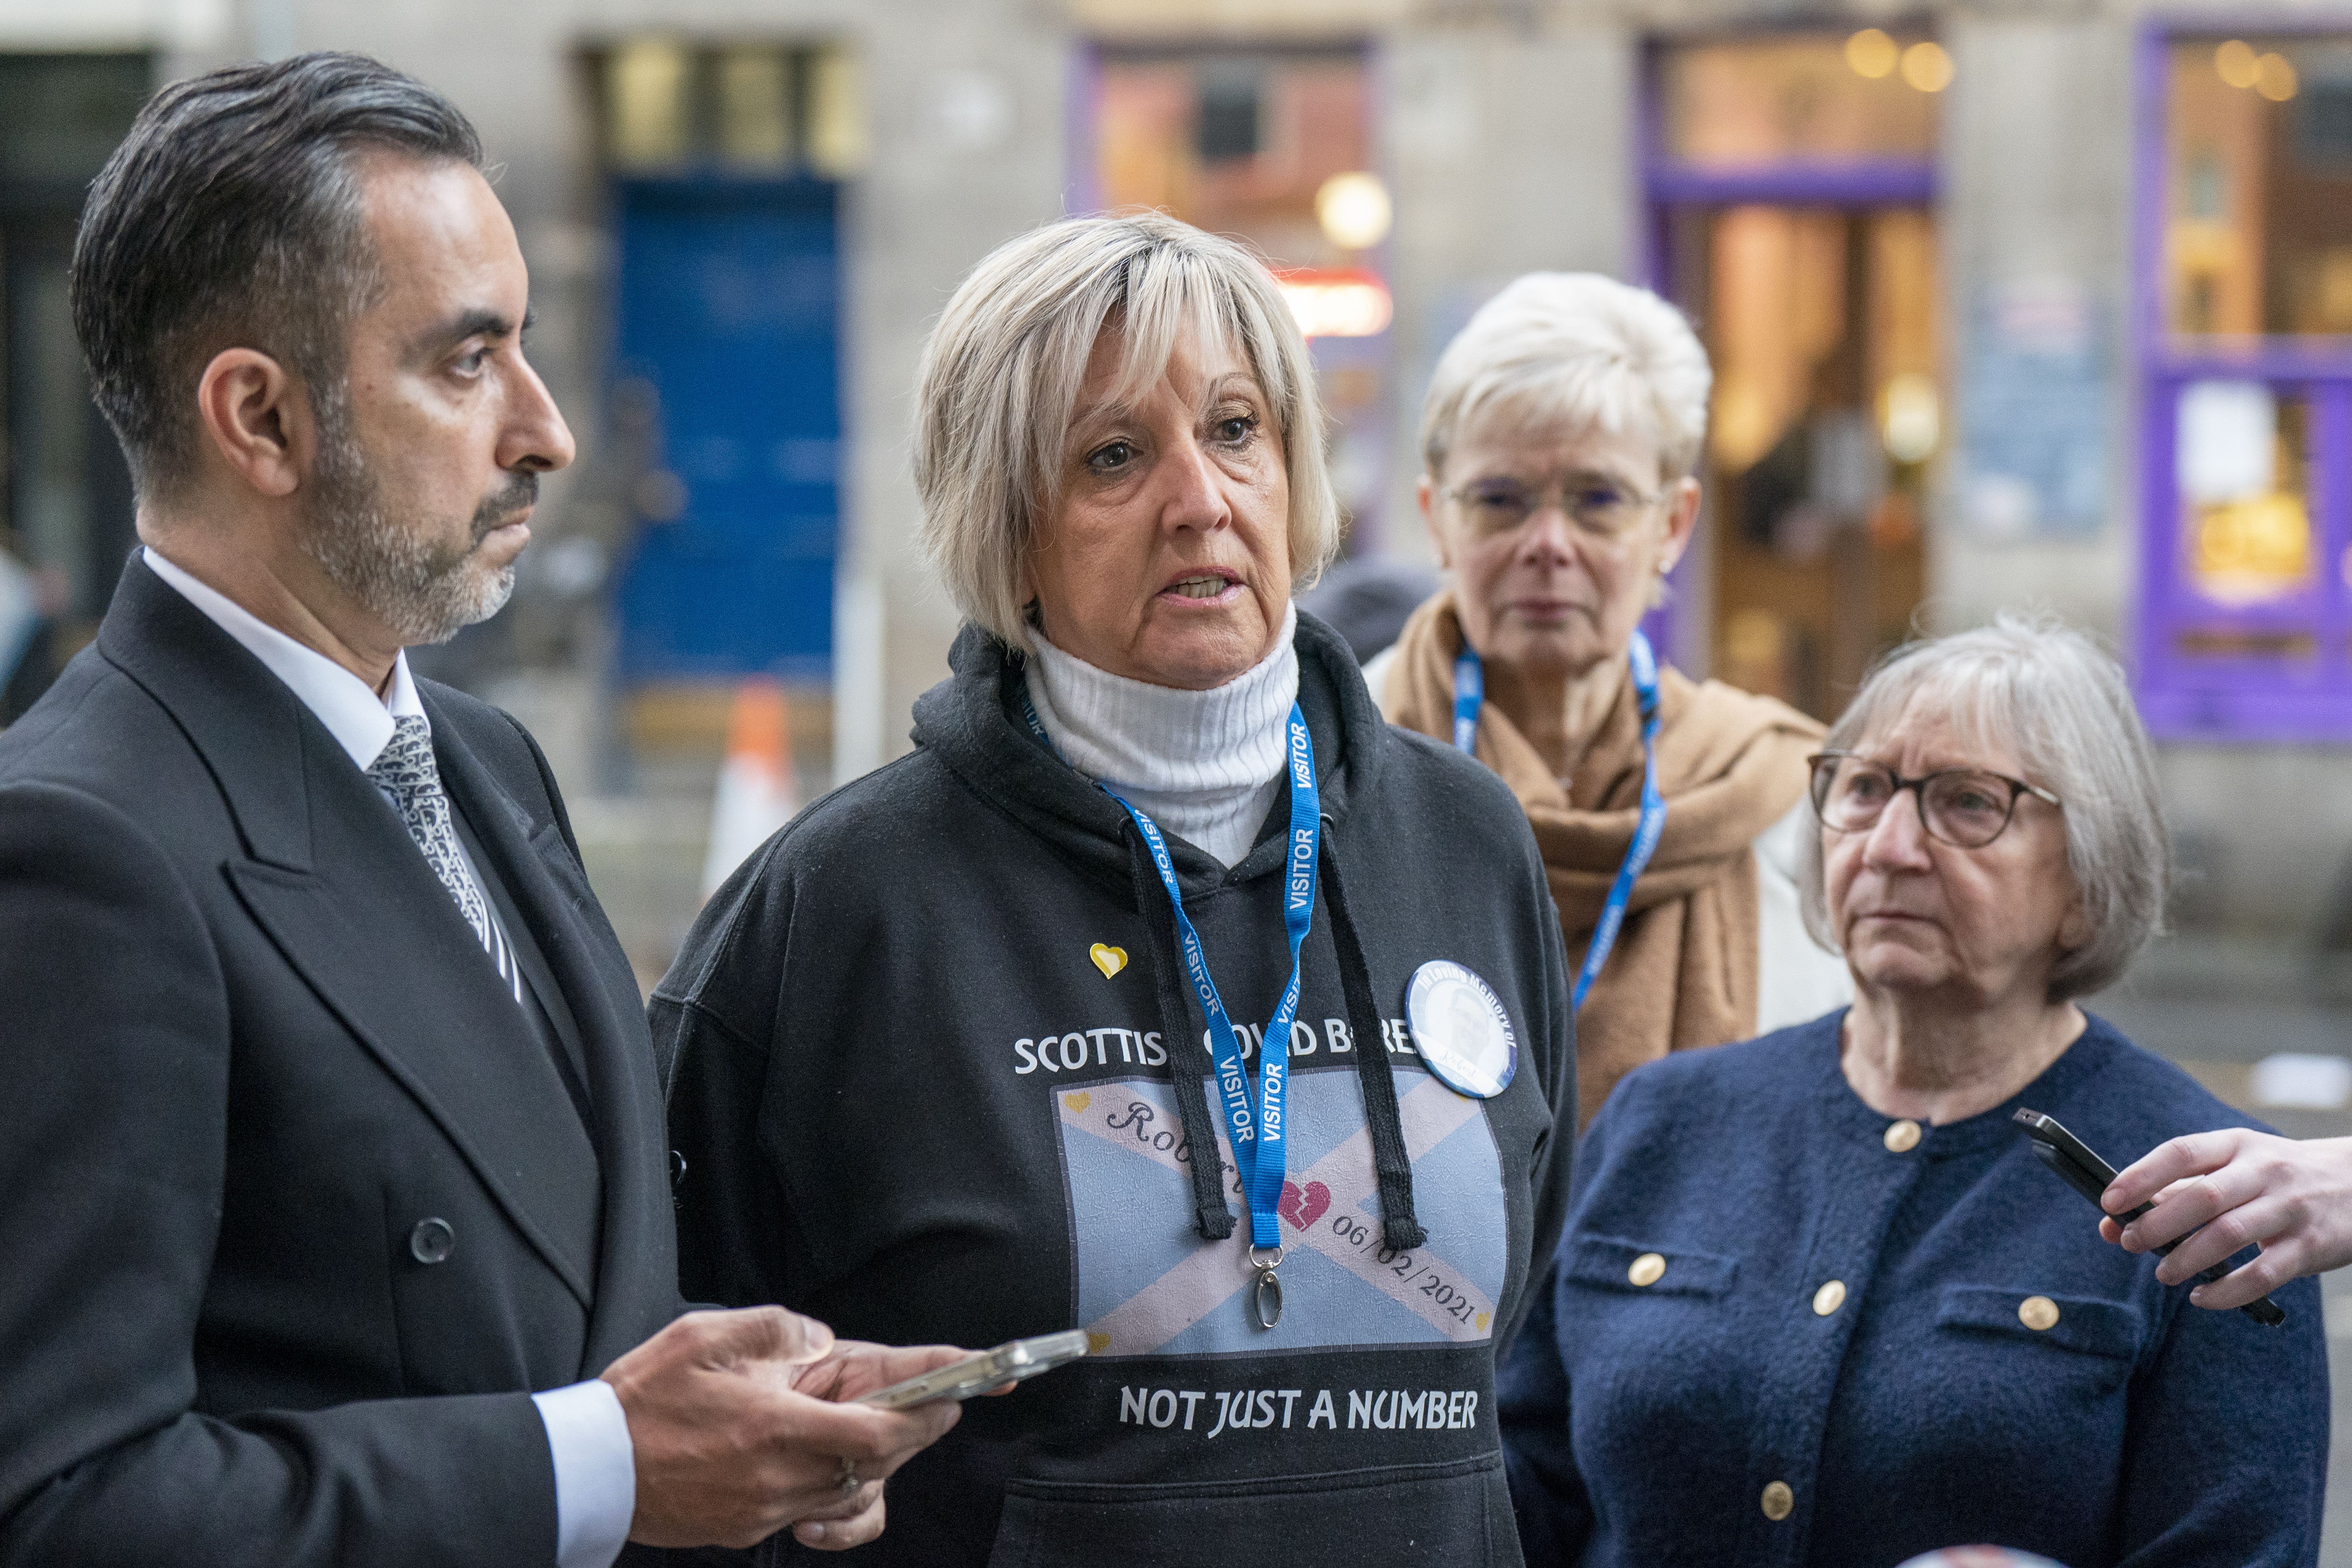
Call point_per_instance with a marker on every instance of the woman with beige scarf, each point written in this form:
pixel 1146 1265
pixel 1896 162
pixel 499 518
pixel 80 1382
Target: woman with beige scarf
pixel 1561 440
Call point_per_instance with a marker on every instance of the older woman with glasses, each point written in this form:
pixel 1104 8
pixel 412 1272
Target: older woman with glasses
pixel 1561 440
pixel 1818 1302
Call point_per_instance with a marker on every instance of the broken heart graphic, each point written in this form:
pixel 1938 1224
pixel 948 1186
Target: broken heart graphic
pixel 1303 1209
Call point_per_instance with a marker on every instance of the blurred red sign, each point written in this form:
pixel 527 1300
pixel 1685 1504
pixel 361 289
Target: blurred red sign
pixel 1337 301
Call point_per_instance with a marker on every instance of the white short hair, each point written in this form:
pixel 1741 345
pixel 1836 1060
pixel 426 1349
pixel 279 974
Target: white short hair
pixel 2054 697
pixel 1573 350
pixel 1003 370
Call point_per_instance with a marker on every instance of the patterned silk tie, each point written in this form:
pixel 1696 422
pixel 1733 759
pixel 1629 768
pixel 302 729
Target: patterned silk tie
pixel 411 779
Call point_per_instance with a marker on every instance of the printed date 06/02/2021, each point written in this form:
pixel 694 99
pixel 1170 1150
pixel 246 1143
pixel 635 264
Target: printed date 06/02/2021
pixel 1406 1266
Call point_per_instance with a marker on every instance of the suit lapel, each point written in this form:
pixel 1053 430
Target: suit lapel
pixel 338 885
pixel 587 965
pixel 380 940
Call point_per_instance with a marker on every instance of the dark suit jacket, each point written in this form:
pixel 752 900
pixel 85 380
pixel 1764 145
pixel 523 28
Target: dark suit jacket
pixel 248 1047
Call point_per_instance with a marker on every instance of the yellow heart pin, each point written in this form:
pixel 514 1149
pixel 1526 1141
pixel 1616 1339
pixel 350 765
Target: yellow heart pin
pixel 1482 1320
pixel 1078 1101
pixel 1108 959
pixel 1097 1343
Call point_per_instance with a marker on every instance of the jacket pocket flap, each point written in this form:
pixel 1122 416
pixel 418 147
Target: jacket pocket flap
pixel 1615 1264
pixel 2071 1322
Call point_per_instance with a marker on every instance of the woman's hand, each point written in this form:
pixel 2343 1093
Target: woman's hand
pixel 2291 1198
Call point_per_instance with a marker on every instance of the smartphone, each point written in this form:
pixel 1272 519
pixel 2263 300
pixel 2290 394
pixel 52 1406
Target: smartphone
pixel 2090 1175
pixel 1011 1361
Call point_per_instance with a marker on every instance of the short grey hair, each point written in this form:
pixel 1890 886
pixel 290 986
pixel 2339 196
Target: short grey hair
pixel 1573 349
pixel 1003 370
pixel 2054 697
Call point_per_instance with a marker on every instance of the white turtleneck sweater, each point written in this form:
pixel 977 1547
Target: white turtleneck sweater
pixel 1205 766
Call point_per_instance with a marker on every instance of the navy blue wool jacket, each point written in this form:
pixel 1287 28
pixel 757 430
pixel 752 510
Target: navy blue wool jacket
pixel 1919 1405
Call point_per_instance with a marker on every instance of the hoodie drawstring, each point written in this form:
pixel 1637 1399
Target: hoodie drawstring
pixel 1188 1059
pixel 1375 1071
pixel 1189 1064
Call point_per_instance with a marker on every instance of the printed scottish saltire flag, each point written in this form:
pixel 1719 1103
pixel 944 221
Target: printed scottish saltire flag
pixel 1148 1286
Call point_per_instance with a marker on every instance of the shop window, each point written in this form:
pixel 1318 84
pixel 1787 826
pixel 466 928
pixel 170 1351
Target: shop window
pixel 1275 146
pixel 2259 152
pixel 1791 180
pixel 2244 469
pixel 1802 98
pixel 666 107
pixel 2245 284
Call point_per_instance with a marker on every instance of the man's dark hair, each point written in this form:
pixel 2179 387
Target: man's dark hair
pixel 230 216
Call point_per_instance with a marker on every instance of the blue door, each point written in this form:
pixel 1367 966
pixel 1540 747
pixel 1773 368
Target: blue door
pixel 730 303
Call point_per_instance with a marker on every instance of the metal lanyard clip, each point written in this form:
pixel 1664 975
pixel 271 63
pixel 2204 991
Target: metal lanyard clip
pixel 1266 1301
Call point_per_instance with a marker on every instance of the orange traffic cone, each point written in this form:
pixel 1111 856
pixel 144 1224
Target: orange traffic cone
pixel 756 796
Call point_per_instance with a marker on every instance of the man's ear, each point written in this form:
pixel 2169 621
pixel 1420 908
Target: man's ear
pixel 256 418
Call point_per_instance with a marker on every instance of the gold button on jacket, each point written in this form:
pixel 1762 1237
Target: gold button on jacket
pixel 1778 1500
pixel 1646 1268
pixel 1829 1298
pixel 2038 1313
pixel 1903 1136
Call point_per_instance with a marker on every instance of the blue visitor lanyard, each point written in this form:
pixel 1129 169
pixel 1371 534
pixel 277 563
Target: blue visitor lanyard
pixel 1258 1133
pixel 1470 694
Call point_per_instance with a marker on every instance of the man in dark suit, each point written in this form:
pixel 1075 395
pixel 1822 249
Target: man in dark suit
pixel 331 1166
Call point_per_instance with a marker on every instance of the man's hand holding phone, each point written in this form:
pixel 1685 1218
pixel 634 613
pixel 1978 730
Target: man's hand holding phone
pixel 2233 1189
pixel 745 1422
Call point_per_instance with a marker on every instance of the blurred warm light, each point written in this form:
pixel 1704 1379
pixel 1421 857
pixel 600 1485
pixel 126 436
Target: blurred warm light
pixel 1872 54
pixel 1911 418
pixel 1354 211
pixel 755 107
pixel 2247 551
pixel 1927 67
pixel 1337 302
pixel 1744 422
pixel 2235 62
pixel 837 143
pixel 2274 78
pixel 650 126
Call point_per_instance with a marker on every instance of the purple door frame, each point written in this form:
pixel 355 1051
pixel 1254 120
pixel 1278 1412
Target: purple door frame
pixel 1668 182
pixel 2242 697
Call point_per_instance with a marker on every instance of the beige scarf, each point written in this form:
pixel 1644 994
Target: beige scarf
pixel 1683 973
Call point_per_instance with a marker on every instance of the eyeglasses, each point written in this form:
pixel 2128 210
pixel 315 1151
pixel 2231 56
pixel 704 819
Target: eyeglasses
pixel 1966 808
pixel 1601 509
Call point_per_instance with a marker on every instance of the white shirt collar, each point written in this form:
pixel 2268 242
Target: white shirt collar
pixel 360 720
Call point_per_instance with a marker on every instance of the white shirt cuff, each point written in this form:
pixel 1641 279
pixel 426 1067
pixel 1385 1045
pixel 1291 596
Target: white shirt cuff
pixel 595 1472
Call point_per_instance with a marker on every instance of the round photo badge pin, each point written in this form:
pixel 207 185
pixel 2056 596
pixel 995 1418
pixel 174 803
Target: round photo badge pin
pixel 1461 1030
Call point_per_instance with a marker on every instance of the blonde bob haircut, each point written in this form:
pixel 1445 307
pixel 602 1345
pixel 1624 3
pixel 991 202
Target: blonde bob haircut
pixel 1570 351
pixel 1002 373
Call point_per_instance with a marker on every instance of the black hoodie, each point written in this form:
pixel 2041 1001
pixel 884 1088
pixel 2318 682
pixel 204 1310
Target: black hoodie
pixel 919 1049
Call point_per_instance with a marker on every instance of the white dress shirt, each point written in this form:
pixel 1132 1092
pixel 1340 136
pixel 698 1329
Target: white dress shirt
pixel 587 1433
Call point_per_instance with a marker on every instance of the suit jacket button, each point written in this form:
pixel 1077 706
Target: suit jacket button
pixel 432 1241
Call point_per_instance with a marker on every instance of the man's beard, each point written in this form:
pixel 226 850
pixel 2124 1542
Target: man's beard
pixel 426 591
